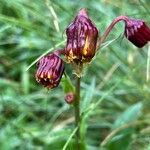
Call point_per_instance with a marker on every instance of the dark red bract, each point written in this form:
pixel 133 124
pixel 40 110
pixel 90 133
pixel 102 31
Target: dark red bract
pixel 50 70
pixel 137 32
pixel 81 39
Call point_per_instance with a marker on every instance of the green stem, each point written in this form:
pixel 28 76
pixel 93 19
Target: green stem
pixel 116 20
pixel 77 113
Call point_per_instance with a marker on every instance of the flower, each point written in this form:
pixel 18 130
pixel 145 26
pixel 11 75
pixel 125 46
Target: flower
pixel 50 70
pixel 81 39
pixel 137 32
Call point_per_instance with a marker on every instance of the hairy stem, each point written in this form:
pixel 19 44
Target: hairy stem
pixel 116 20
pixel 77 113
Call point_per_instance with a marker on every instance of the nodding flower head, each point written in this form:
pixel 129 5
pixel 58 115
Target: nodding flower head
pixel 50 70
pixel 137 32
pixel 81 39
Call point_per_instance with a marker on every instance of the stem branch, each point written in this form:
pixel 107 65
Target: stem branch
pixel 102 39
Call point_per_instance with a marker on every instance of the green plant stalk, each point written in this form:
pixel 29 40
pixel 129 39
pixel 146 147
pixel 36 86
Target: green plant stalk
pixel 110 27
pixel 77 113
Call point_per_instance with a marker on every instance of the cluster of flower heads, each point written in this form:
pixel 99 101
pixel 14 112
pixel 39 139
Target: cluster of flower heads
pixel 82 44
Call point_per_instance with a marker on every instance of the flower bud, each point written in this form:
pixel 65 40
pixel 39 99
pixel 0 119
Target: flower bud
pixel 137 32
pixel 81 39
pixel 50 70
pixel 70 97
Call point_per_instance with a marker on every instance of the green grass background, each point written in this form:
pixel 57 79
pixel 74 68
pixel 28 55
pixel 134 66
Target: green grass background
pixel 115 88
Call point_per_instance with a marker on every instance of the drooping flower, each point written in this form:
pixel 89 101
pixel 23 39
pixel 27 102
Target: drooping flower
pixel 81 39
pixel 137 32
pixel 50 70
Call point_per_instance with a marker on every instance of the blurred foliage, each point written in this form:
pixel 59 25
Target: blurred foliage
pixel 115 89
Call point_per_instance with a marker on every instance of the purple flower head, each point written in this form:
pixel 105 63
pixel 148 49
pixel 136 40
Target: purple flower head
pixel 81 39
pixel 137 32
pixel 50 70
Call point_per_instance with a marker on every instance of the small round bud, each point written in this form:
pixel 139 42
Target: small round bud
pixel 69 97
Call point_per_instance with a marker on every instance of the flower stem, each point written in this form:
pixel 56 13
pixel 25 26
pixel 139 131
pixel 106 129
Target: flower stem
pixel 77 113
pixel 116 20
